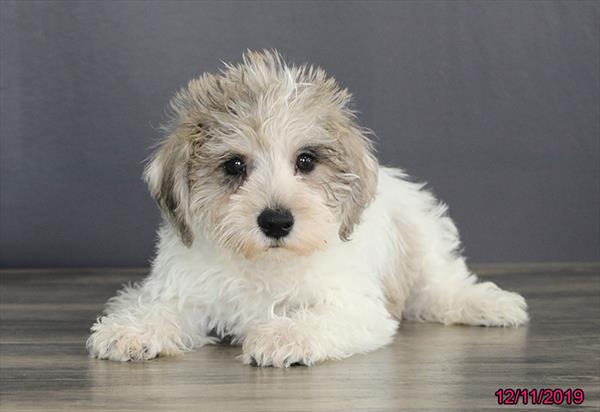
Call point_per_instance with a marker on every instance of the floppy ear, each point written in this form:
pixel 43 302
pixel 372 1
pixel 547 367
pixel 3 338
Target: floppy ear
pixel 167 177
pixel 362 172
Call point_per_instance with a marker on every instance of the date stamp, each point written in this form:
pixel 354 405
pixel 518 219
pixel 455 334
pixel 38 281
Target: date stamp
pixel 541 396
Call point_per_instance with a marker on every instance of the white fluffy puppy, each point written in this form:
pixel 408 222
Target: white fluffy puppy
pixel 283 232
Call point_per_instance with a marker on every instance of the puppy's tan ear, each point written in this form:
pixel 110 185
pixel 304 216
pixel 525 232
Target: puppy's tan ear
pixel 362 175
pixel 167 177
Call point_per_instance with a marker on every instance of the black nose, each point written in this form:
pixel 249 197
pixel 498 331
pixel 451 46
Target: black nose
pixel 276 223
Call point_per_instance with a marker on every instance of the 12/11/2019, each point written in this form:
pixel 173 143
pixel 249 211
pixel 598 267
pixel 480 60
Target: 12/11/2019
pixel 542 396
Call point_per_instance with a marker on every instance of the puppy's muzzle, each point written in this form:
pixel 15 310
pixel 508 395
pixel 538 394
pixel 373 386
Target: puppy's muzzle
pixel 276 223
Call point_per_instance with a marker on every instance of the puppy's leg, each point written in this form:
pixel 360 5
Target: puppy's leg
pixel 319 333
pixel 141 325
pixel 448 293
pixel 428 269
pixel 453 296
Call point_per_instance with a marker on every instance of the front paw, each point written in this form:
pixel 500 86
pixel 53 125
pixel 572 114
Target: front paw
pixel 280 344
pixel 117 341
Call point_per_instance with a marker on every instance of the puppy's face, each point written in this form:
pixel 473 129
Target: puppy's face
pixel 263 160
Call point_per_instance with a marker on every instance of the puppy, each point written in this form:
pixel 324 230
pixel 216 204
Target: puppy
pixel 282 232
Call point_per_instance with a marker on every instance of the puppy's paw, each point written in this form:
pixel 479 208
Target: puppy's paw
pixel 497 307
pixel 280 344
pixel 121 342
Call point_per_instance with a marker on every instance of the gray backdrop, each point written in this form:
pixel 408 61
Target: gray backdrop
pixel 495 104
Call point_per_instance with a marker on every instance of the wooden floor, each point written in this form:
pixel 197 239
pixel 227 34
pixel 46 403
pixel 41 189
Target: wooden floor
pixel 45 316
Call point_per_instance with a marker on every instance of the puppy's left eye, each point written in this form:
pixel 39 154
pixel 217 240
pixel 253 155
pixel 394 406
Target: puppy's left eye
pixel 235 166
pixel 305 163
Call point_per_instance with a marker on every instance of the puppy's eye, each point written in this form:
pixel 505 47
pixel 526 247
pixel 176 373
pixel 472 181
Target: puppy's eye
pixel 235 166
pixel 305 163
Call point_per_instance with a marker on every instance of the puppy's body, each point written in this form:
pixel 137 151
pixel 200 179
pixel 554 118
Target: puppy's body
pixel 367 247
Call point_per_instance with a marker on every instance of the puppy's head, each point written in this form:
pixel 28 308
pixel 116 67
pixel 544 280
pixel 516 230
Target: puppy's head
pixel 263 158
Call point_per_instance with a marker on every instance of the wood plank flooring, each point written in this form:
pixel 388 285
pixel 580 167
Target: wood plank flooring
pixel 45 316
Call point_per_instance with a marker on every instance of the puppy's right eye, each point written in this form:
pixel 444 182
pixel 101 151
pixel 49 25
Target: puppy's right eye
pixel 235 166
